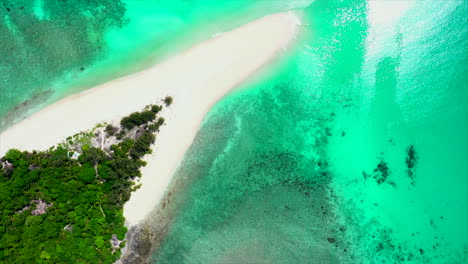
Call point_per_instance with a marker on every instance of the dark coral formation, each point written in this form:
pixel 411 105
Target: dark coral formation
pixel 411 160
pixel 380 173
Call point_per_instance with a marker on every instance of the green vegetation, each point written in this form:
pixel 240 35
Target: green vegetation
pixel 59 209
pixel 156 108
pixel 137 119
pixel 160 121
pixel 110 130
pixel 120 135
pixel 142 145
pixel 168 100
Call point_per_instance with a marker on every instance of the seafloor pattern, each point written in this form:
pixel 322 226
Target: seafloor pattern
pixel 354 152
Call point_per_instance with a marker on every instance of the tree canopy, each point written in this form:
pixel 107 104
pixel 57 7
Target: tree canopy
pixel 56 209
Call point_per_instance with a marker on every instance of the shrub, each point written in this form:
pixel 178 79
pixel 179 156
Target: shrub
pixel 128 122
pixel 160 121
pixel 110 130
pixel 120 135
pixel 137 119
pixel 123 147
pixel 168 100
pixel 142 145
pixel 85 147
pixel 154 127
pixel 92 155
pixel 87 174
pixel 13 155
pixel 156 109
pixel 147 116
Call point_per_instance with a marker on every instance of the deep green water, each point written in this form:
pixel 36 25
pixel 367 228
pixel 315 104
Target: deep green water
pixel 314 152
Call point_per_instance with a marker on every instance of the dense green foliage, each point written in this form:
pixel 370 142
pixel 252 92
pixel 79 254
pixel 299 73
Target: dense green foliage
pixel 142 145
pixel 156 108
pixel 137 119
pixel 84 198
pixel 77 194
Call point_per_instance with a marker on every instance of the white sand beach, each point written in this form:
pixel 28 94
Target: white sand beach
pixel 196 79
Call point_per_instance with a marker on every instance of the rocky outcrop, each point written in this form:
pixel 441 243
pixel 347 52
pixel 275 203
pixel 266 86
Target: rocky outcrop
pixel 139 244
pixel 41 207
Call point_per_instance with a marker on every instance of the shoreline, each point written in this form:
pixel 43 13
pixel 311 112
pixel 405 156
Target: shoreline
pixel 196 79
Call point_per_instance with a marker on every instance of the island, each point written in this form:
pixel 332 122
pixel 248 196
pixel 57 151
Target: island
pixel 65 204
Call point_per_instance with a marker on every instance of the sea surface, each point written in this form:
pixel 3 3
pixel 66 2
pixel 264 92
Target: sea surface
pixel 352 148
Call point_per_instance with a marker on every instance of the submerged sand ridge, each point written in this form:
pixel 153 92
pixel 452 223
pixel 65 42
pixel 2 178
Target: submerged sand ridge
pixel 196 79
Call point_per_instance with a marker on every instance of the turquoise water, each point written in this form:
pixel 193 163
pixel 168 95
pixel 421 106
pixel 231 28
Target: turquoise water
pixel 51 49
pixel 353 150
pixel 44 41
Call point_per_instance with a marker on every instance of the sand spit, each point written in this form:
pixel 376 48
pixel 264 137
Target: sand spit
pixel 196 79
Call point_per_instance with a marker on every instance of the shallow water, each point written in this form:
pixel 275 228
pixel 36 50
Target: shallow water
pixel 311 163
pixel 51 49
